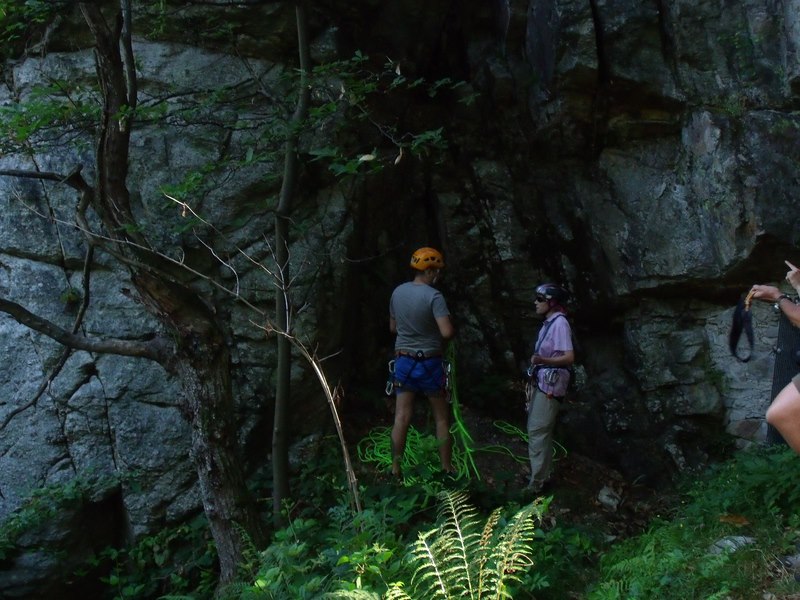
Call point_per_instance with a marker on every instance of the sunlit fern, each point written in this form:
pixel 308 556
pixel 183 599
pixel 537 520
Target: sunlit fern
pixel 463 559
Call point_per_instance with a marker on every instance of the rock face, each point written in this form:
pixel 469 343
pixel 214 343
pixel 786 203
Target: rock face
pixel 644 154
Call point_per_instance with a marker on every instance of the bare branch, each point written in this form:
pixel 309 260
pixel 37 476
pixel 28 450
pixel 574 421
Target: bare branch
pixel 67 351
pixel 186 208
pixel 34 175
pixel 76 181
pixel 333 396
pixel 222 262
pixel 156 349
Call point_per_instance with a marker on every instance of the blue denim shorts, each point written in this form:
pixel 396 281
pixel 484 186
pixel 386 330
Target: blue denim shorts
pixel 418 375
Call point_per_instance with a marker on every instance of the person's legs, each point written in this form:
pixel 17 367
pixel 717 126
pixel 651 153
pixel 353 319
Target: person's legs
pixel 441 416
pixel 784 414
pixel 404 409
pixel 542 413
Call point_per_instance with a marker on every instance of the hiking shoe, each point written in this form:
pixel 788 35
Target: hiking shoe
pixel 542 489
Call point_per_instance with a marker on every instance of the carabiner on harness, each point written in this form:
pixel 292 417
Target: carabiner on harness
pixel 390 380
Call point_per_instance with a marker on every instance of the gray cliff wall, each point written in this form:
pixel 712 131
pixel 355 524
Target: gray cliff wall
pixel 645 154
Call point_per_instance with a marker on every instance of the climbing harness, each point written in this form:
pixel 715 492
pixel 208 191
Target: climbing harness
pixel 377 447
pixel 419 356
pixel 742 321
pixel 551 375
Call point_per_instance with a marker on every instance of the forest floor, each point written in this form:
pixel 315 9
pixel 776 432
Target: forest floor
pixel 585 493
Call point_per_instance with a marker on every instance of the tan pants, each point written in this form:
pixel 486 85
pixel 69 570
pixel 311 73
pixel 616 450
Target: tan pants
pixel 542 413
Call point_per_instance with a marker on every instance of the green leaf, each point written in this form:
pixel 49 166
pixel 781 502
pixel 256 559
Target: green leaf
pixel 326 152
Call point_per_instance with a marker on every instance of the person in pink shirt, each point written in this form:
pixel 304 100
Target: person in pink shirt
pixel 550 372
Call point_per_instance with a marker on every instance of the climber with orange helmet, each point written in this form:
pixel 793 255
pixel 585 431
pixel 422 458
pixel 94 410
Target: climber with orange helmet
pixel 419 316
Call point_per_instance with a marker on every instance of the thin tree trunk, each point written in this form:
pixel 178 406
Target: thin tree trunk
pixel 280 434
pixel 280 444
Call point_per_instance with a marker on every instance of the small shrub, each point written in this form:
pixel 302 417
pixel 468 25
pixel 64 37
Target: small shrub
pixel 45 503
pixel 176 562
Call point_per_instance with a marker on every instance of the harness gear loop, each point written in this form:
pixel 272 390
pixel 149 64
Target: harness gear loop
pixel 390 381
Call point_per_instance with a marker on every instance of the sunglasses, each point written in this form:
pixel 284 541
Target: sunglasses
pixel 540 299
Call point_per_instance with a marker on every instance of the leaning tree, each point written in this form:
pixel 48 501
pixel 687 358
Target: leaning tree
pixel 194 342
pixel 191 306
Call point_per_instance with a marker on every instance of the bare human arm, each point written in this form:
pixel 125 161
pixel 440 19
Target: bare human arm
pixel 446 328
pixel 770 293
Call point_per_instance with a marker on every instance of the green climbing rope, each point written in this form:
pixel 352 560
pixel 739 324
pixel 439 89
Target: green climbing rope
pixel 514 431
pixel 463 446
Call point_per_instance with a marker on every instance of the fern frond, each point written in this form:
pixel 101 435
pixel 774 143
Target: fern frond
pixel 511 555
pixel 461 559
pixel 485 548
pixel 396 592
pixel 429 574
pixel 460 541
pixel 488 528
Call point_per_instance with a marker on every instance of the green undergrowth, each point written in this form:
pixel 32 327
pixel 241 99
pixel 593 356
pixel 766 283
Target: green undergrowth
pixel 437 537
pixel 723 540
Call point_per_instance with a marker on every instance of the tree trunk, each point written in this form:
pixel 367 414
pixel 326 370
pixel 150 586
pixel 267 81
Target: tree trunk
pixel 280 443
pixel 280 433
pixel 202 360
pixel 208 406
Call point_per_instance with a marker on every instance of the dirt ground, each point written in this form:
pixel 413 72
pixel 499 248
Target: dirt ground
pixel 584 491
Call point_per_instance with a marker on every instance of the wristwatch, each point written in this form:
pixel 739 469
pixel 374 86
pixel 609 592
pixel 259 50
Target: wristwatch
pixel 777 304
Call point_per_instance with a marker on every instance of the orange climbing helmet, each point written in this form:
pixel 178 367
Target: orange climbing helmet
pixel 427 258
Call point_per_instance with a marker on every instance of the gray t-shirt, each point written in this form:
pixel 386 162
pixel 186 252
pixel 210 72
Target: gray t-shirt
pixel 415 308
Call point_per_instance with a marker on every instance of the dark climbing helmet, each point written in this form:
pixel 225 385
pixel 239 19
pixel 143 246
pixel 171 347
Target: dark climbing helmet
pixel 427 258
pixel 553 293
